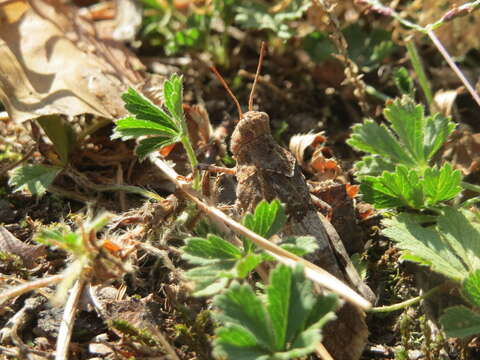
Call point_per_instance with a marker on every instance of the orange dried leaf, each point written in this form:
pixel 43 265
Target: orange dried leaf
pixel 352 190
pixel 165 151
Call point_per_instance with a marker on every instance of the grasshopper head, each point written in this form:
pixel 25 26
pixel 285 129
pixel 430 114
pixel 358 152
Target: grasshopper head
pixel 252 125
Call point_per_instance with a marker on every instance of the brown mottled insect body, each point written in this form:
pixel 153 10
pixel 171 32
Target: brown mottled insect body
pixel 265 170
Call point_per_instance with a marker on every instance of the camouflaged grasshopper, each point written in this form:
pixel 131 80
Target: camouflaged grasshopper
pixel 265 170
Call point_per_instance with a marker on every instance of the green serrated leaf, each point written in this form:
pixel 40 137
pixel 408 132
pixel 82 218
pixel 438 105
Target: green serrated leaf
pixel 462 235
pixel 268 218
pixel 377 139
pixel 400 188
pixel 144 109
pixel 240 306
pixel 300 245
pixel 412 140
pixel 130 127
pixel 149 145
pixel 34 178
pixel 373 165
pixel 471 288
pixel 247 264
pixel 427 246
pixel 441 184
pixel 461 322
pixel 200 251
pixel 437 130
pixel 408 121
pixel 173 94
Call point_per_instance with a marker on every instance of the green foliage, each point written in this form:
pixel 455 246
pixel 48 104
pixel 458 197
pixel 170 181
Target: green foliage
pixel 451 247
pixel 163 127
pixel 34 178
pixel 218 261
pixel 397 172
pixel 404 187
pixel 460 321
pixel 283 324
pixel 258 16
pixel 471 288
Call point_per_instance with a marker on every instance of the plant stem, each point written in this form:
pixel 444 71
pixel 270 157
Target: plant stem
pixel 454 66
pixel 419 70
pixel 187 145
pixel 407 303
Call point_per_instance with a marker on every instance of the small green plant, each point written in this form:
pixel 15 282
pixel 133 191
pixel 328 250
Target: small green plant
pixel 156 127
pixel 283 323
pixel 84 247
pixel 400 170
pixel 179 31
pixel 451 248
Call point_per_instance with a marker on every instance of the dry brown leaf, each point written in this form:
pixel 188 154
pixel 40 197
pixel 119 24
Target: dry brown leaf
pixel 53 62
pixel 314 157
pixel 445 100
pixel 28 253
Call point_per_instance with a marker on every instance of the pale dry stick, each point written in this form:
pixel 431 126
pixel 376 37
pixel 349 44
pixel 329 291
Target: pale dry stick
pixel 68 320
pixel 323 352
pixel 29 286
pixel 312 271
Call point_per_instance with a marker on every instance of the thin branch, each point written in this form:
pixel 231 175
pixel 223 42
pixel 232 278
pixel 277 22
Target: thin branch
pixel 407 303
pixel 29 286
pixel 68 320
pixel 312 271
pixel 453 66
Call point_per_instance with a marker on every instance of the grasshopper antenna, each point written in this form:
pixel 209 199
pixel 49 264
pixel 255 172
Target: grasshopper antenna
pixel 225 85
pixel 259 67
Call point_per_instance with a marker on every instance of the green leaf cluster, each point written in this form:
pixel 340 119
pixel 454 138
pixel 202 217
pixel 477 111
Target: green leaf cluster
pixel 451 248
pixel 256 15
pixel 157 127
pixel 398 172
pixel 285 323
pixel 217 261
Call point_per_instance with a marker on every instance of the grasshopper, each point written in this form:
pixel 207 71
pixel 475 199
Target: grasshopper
pixel 265 170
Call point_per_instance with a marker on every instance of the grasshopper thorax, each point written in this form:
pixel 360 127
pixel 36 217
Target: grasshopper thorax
pixel 252 125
